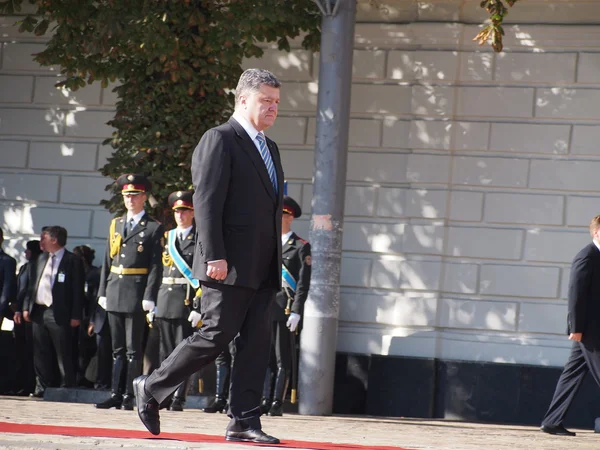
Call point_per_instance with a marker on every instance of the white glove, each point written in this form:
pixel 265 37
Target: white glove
pixel 293 321
pixel 148 305
pixel 102 302
pixel 194 317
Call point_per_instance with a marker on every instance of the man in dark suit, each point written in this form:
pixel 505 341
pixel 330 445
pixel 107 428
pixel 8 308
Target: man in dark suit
pixel 54 302
pixel 178 306
pixel 287 310
pixel 8 282
pixel 129 282
pixel 238 182
pixel 583 328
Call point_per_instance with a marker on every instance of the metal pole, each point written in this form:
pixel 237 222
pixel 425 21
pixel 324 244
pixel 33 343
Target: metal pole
pixel 319 334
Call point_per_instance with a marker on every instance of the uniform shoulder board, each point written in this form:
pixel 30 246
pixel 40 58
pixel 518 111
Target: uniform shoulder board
pixel 302 240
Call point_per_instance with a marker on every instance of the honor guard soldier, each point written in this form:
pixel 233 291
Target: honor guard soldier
pixel 287 312
pixel 178 305
pixel 129 283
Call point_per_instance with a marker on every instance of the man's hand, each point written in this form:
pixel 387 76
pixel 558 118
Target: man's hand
pixel 26 316
pixel 102 302
pixel 148 305
pixel 17 318
pixel 194 318
pixel 90 330
pixel 293 321
pixel 75 323
pixel 217 270
pixel 576 337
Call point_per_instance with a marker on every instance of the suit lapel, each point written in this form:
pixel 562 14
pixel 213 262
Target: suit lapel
pixel 61 267
pixel 289 244
pixel 278 168
pixel 40 265
pixel 139 229
pixel 254 155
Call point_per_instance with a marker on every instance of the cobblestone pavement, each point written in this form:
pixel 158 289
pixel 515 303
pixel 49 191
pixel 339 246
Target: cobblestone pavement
pixel 366 431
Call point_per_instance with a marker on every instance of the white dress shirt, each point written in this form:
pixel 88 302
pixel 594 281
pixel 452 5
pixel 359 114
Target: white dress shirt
pixel 285 237
pixel 136 218
pixel 44 291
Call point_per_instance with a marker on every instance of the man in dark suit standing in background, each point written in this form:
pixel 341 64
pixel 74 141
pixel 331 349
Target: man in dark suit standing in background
pixel 178 306
pixel 583 328
pixel 54 302
pixel 287 310
pixel 129 282
pixel 238 182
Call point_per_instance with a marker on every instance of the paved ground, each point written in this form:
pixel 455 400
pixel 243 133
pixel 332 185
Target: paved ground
pixel 365 431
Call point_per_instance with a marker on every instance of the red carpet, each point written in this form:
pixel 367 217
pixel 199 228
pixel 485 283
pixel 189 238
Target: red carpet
pixel 26 428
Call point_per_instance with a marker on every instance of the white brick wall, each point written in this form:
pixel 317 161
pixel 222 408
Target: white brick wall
pixel 472 176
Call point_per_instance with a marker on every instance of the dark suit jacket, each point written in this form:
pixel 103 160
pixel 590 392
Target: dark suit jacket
pixel 8 283
pixel 171 297
pixel 584 295
pixel 68 296
pixel 238 214
pixel 142 248
pixel 297 259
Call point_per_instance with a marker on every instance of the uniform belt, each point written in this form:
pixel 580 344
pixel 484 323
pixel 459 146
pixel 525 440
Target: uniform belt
pixel 129 270
pixel 171 280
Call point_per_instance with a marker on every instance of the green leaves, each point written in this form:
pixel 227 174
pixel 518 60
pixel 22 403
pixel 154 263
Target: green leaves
pixel 172 63
pixel 493 32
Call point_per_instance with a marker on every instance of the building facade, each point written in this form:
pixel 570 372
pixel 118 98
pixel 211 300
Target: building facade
pixel 472 178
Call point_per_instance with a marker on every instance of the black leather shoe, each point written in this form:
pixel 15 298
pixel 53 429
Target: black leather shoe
pixel 251 436
pixel 37 394
pixel 176 404
pixel 265 406
pixel 115 401
pixel 218 406
pixel 276 409
pixel 558 430
pixel 128 402
pixel 147 407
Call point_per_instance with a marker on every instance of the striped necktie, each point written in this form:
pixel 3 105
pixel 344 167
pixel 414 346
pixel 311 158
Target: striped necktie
pixel 266 156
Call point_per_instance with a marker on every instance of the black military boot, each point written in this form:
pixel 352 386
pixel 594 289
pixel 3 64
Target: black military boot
pixel 116 397
pixel 179 397
pixel 134 370
pixel 281 385
pixel 265 403
pixel 220 402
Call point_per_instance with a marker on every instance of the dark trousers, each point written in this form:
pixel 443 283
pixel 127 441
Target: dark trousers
pixel 281 341
pixel 25 375
pixel 127 334
pixel 227 311
pixel 51 339
pixel 172 332
pixel 104 358
pixel 583 359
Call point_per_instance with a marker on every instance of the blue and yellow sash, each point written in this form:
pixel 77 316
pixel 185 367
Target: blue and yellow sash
pixel 287 279
pixel 179 262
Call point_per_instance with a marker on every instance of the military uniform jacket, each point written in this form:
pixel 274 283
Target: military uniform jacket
pixel 297 258
pixel 142 248
pixel 171 297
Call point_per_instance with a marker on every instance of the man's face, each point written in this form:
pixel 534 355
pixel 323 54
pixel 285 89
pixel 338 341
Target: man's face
pixel 47 243
pixel 184 217
pixel 134 203
pixel 287 219
pixel 260 107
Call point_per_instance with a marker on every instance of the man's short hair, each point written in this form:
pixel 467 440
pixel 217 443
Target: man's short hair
pixel 594 225
pixel 251 81
pixel 57 232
